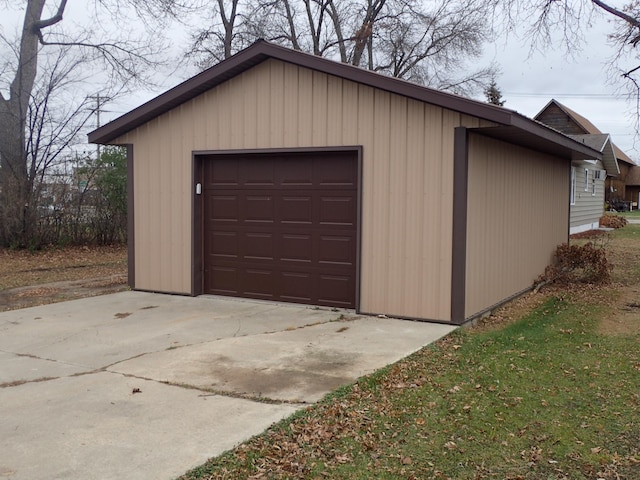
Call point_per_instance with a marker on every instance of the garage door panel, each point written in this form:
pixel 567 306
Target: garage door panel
pixel 223 208
pixel 336 250
pixel 284 229
pixel 257 172
pixel 333 290
pixel 296 287
pixel 297 174
pixel 225 279
pixel 296 248
pixel 224 244
pixel 258 246
pixel 223 174
pixel 330 172
pixel 295 209
pixel 337 210
pixel 258 208
pixel 257 283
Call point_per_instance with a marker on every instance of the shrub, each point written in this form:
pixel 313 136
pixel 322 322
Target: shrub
pixel 578 264
pixel 612 221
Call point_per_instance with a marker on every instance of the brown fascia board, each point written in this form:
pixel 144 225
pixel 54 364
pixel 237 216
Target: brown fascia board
pixel 537 136
pixel 578 150
pixel 262 50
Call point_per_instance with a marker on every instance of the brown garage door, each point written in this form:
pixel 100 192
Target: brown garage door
pixel 281 227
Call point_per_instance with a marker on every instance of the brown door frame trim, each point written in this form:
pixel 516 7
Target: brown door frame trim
pixel 131 237
pixel 197 252
pixel 459 240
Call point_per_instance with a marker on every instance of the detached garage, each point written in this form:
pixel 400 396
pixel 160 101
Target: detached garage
pixel 282 176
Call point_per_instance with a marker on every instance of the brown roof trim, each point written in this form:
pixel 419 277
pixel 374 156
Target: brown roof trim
pixel 262 50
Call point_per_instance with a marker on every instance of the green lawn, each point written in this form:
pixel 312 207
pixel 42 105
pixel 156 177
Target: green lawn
pixel 544 397
pixel 633 214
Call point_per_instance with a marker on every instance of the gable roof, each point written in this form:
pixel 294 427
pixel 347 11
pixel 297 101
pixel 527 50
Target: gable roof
pixel 602 143
pixel 512 126
pixel 586 126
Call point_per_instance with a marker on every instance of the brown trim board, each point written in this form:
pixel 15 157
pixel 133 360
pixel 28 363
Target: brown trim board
pixel 196 226
pixel 131 235
pixel 459 240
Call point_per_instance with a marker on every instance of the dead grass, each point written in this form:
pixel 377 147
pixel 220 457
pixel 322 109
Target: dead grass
pixel 52 275
pixel 20 268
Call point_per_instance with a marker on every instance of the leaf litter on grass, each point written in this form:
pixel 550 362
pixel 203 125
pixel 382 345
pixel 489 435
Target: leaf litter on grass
pixel 536 391
pixel 60 273
pixel 522 402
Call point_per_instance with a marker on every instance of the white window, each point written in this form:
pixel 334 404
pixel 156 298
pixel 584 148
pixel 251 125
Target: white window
pixel 573 186
pixel 586 179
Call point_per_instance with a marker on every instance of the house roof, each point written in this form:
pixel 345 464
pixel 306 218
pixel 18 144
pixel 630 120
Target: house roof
pixel 602 143
pixel 512 126
pixel 588 127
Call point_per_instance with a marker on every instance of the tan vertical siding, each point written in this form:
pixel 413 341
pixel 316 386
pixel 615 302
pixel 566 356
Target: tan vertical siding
pixel 406 184
pixel 517 214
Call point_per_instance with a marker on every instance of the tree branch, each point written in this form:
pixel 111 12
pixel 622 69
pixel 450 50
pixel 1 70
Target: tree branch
pixel 618 13
pixel 53 20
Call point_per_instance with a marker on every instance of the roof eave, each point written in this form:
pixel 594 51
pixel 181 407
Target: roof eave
pixel 541 139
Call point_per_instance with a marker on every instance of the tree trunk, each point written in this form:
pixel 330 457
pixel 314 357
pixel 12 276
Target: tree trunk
pixel 366 30
pixel 17 211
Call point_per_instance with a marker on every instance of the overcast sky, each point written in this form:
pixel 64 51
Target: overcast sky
pixel 527 81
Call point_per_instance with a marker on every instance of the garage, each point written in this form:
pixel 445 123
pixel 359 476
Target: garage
pixel 283 176
pixel 281 226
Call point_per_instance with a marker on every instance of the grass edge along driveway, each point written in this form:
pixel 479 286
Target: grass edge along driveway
pixel 545 397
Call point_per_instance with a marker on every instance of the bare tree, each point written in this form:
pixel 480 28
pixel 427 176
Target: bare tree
pixel 26 96
pixel 570 20
pixel 426 42
pixel 226 34
pixel 432 46
pixel 54 120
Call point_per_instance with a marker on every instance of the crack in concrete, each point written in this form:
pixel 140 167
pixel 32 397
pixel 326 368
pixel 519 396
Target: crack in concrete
pixel 341 318
pixel 44 359
pixel 209 392
pixel 17 383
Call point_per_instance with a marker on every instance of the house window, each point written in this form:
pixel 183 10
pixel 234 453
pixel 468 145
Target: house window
pixel 593 185
pixel 586 179
pixel 573 186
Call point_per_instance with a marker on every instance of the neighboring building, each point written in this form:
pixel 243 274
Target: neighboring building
pixel 284 176
pixel 587 197
pixel 565 120
pixel 632 190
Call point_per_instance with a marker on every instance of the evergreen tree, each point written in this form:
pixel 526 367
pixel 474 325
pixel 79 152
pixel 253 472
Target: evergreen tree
pixel 493 94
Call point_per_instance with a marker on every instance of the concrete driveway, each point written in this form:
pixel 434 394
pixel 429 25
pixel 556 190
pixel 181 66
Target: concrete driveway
pixel 145 386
